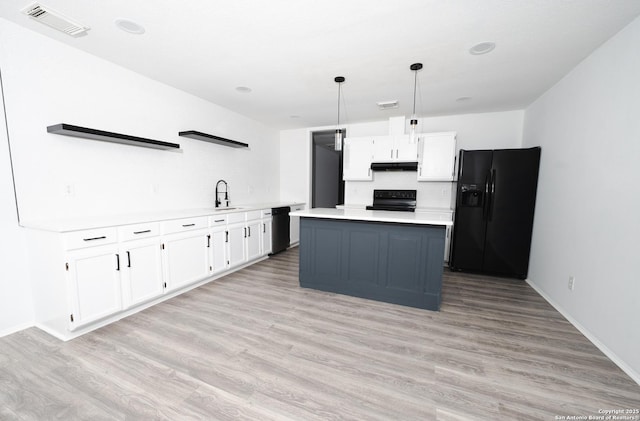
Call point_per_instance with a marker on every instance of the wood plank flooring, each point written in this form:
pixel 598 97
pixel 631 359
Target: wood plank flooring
pixel 255 346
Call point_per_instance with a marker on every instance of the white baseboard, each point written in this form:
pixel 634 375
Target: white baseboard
pixel 17 328
pixel 635 376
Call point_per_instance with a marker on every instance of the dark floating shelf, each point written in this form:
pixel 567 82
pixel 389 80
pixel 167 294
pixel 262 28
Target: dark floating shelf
pixel 213 139
pixel 77 131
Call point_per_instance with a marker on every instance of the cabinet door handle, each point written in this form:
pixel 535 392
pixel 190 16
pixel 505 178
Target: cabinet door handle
pixel 188 225
pixel 391 154
pixel 128 259
pixel 94 238
pixel 142 232
pixel 249 231
pixel 264 227
pixel 226 240
pixel 245 232
pixel 117 261
pixel 208 241
pixel 219 220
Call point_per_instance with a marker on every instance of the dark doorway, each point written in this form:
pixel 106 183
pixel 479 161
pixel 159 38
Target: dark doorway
pixel 327 184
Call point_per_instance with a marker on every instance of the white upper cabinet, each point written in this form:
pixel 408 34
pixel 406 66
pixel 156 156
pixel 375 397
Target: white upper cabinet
pixel 405 150
pixel 394 149
pixel 357 156
pixel 437 156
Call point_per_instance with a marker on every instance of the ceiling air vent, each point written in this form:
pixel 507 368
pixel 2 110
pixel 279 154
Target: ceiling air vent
pixel 387 105
pixel 44 14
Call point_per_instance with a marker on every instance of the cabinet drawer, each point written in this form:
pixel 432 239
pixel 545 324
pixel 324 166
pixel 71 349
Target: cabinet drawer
pixel 252 215
pixel 186 224
pixel 217 220
pixel 89 238
pixel 133 232
pixel 234 218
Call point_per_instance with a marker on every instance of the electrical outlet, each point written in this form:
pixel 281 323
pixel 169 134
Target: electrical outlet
pixel 69 190
pixel 572 283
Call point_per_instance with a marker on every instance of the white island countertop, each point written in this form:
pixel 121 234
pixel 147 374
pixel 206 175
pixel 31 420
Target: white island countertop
pixel 420 218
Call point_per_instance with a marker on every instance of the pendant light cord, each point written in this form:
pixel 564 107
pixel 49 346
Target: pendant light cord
pixel 6 125
pixel 339 89
pixel 415 82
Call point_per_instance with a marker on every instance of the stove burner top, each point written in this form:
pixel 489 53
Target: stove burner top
pixel 394 200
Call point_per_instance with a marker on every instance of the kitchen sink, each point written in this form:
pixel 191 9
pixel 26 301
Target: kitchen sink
pixel 223 209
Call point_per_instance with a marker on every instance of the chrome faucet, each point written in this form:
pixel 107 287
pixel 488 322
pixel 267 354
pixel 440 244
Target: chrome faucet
pixel 226 193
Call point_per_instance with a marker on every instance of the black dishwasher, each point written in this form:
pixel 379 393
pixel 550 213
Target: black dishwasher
pixel 280 229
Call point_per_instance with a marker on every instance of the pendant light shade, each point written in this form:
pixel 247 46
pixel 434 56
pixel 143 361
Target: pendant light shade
pixel 413 124
pixel 339 138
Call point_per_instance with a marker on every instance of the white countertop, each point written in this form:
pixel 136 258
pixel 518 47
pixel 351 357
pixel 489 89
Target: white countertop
pixel 91 222
pixel 422 218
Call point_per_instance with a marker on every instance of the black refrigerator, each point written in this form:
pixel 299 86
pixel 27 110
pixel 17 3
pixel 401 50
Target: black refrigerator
pixel 495 203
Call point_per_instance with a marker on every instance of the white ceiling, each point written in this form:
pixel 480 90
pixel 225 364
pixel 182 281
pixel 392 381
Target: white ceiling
pixel 289 51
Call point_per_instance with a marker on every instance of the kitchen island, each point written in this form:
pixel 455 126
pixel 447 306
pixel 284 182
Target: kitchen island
pixel 395 257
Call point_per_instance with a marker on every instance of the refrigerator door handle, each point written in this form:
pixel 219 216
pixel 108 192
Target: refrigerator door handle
pixel 485 202
pixel 491 194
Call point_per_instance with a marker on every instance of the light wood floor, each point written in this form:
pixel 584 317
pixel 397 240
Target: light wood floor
pixel 254 345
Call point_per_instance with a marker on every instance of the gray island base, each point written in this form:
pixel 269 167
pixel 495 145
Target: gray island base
pixel 399 263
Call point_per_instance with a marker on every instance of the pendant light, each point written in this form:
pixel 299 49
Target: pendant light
pixel 413 125
pixel 338 140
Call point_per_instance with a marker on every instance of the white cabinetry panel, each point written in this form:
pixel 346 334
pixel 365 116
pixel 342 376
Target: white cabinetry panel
pixel 185 258
pixel 437 156
pixel 294 225
pixel 357 156
pixel 142 271
pixel 94 284
pixel 253 239
pixel 235 243
pixel 218 253
pixel 394 149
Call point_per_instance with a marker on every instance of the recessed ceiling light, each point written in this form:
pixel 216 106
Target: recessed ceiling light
pixel 482 48
pixel 463 99
pixel 129 26
pixel 243 89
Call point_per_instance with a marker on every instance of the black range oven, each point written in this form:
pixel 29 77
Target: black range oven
pixel 394 200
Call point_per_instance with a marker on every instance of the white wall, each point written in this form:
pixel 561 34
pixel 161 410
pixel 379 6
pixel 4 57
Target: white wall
pixel 48 83
pixel 474 131
pixel 586 222
pixel 16 310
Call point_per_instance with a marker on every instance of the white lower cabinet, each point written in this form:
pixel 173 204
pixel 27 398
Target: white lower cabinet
pixel 253 240
pixel 93 277
pixel 266 232
pixel 142 272
pixel 140 263
pixel 218 250
pixel 235 245
pixel 185 258
pixel 86 279
pixel 294 225
pixel 447 243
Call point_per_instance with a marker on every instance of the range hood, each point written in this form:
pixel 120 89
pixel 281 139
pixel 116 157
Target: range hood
pixel 394 166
